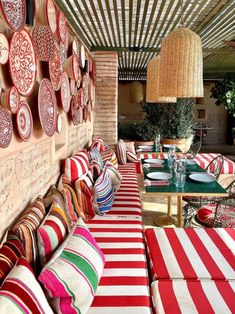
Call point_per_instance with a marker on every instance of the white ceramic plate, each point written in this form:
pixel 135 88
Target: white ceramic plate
pixel 190 161
pixel 202 177
pixel 145 146
pixel 168 145
pixel 159 175
pixel 154 161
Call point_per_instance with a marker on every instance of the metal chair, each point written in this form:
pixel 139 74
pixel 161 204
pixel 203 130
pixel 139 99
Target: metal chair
pixel 194 150
pixel 194 203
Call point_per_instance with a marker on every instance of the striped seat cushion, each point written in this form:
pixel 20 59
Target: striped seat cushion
pixel 21 293
pixel 121 152
pixel 124 286
pixel 10 251
pixel 225 215
pixel 115 175
pixel 75 166
pixel 185 296
pixel 52 232
pixel 104 192
pixel 204 159
pixel 72 276
pixel 191 253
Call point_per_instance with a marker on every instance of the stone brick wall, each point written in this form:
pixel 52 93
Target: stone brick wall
pixel 105 123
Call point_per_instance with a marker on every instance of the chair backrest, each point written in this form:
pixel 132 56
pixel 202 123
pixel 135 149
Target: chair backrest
pixel 215 166
pixel 194 149
pixel 225 212
pixel 231 188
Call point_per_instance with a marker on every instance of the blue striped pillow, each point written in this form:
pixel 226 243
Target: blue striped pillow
pixel 95 155
pixel 104 191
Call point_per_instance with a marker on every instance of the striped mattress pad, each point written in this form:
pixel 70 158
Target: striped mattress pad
pixel 190 296
pixel 191 253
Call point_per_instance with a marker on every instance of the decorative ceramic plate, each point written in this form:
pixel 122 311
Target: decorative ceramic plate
pixel 159 175
pixel 44 43
pixel 4 49
pixel 14 13
pixel 154 161
pixel 6 128
pixel 65 92
pixel 50 14
pixel 47 107
pixel 74 111
pixel 75 47
pixel 80 98
pixel 85 87
pixel 72 87
pixel 22 62
pixel 61 26
pixel 55 69
pixel 202 177
pixel 82 56
pixel 24 121
pixel 13 99
pixel 92 95
pixel 63 54
pixel 59 123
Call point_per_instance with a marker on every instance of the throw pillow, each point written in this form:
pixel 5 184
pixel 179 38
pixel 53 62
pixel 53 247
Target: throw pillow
pixel 95 169
pixel 26 227
pixel 95 155
pixel 72 276
pixel 99 143
pixel 52 232
pixel 115 175
pixel 75 166
pixel 109 155
pixel 121 152
pixel 104 192
pixel 132 157
pixel 10 251
pixel 21 293
pixel 130 146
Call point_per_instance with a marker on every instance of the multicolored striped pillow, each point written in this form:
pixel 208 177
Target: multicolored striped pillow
pixel 95 155
pixel 109 155
pixel 75 166
pixel 21 293
pixel 72 276
pixel 10 251
pixel 132 157
pixel 95 169
pixel 115 175
pixel 99 143
pixel 26 227
pixel 52 232
pixel 121 152
pixel 104 192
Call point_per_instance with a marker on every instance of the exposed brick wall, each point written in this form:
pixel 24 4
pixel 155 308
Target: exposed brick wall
pixel 105 123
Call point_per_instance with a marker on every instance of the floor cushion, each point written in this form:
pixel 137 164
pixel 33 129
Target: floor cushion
pixel 109 155
pixel 95 155
pixel 132 157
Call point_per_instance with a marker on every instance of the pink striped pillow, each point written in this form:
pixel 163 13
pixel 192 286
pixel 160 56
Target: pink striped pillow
pixel 72 276
pixel 132 157
pixel 121 152
pixel 98 143
pixel 75 166
pixel 52 232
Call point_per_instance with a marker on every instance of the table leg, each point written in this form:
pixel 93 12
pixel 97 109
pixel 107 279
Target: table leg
pixel 169 204
pixel 179 211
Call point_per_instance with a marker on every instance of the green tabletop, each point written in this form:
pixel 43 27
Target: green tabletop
pixel 191 187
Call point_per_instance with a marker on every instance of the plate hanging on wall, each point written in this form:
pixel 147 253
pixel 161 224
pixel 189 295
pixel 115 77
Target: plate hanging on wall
pixel 6 128
pixel 55 69
pixel 47 107
pixel 46 14
pixel 14 13
pixel 22 62
pixel 4 49
pixel 11 99
pixel 61 27
pixel 65 92
pixel 24 121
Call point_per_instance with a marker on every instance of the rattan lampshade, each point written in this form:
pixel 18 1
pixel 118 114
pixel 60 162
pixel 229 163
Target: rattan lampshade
pixel 181 65
pixel 136 92
pixel 153 80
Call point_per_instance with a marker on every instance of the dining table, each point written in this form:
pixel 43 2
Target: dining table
pixel 168 188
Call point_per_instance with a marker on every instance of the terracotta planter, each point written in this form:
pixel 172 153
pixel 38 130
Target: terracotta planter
pixel 183 144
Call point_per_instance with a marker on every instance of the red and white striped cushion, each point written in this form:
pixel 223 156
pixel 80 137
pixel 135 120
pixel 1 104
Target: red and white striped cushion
pixel 191 253
pixel 132 157
pixel 121 152
pixel 204 159
pixel 185 296
pixel 99 143
pixel 123 287
pixel 75 166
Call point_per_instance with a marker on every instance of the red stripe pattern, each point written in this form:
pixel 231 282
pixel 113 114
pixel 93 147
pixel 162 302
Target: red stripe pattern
pixel 192 253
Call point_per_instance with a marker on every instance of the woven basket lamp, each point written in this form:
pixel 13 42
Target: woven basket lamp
pixel 136 92
pixel 181 65
pixel 153 81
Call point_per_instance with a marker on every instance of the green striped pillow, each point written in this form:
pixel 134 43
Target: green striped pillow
pixel 72 275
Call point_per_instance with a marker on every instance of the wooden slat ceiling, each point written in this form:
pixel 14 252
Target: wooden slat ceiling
pixel 135 29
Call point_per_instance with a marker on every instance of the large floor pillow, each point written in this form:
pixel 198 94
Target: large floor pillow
pixel 72 276
pixel 121 152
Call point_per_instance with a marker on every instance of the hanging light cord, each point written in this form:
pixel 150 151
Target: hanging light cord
pixel 181 14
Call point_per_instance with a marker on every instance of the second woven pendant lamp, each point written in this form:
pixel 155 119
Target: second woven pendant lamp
pixel 136 92
pixel 181 65
pixel 153 81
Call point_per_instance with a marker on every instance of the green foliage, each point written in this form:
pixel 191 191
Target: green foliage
pixel 146 131
pixel 224 93
pixel 173 120
pixel 127 131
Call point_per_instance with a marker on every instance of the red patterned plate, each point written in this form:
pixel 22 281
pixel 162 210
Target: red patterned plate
pixel 59 123
pixel 74 111
pixel 85 87
pixel 6 128
pixel 47 14
pixel 47 107
pixel 63 54
pixel 65 92
pixel 61 27
pixel 44 43
pixel 82 56
pixel 22 62
pixel 55 69
pixel 75 47
pixel 24 121
pixel 14 13
pixel 4 49
pixel 72 87
pixel 11 99
pixel 72 67
pixel 80 98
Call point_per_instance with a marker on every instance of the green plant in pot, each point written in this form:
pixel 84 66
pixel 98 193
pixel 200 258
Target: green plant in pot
pixel 145 133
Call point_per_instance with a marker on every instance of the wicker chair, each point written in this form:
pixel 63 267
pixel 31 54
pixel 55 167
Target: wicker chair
pixel 194 203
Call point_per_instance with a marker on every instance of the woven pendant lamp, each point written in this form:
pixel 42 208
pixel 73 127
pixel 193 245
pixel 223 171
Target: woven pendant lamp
pixel 136 92
pixel 181 65
pixel 153 81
